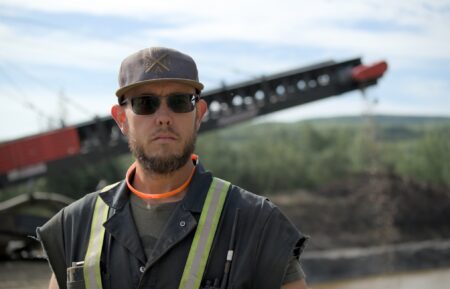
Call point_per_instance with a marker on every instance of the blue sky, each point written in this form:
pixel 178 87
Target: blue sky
pixel 59 59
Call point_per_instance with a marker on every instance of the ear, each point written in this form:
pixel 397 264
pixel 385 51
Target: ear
pixel 118 113
pixel 202 108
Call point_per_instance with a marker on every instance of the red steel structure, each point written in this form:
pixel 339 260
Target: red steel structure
pixel 37 155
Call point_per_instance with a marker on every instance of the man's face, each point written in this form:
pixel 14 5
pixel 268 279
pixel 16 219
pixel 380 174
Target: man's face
pixel 161 142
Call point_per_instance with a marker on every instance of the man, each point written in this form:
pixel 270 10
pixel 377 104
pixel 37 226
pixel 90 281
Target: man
pixel 169 224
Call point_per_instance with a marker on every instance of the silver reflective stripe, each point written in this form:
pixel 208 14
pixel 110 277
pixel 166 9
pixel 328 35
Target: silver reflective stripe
pixel 91 270
pixel 204 235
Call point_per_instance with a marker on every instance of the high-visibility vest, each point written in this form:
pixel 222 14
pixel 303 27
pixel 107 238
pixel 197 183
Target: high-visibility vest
pixel 200 248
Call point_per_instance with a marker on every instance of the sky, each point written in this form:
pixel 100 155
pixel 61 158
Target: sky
pixel 59 60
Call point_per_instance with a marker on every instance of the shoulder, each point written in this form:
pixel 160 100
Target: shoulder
pixel 78 211
pixel 261 216
pixel 82 205
pixel 265 217
pixel 261 207
pixel 67 219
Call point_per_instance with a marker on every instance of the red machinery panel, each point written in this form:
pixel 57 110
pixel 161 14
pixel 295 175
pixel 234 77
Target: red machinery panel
pixel 369 72
pixel 38 149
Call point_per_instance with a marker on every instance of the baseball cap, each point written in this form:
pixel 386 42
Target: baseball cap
pixel 157 64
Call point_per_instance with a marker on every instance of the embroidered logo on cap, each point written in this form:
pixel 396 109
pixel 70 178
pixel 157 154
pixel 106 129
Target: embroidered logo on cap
pixel 157 65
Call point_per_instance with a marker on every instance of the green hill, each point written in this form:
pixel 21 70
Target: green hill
pixel 384 120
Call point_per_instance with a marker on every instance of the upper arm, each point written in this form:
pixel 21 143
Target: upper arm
pixel 299 284
pixel 53 283
pixel 51 237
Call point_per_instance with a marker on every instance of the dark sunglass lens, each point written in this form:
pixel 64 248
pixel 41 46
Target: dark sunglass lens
pixel 145 104
pixel 180 103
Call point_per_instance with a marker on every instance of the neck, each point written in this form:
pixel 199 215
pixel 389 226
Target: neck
pixel 153 183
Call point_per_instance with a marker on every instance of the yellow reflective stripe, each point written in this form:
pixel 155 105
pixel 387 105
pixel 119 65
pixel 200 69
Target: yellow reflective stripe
pixel 204 235
pixel 109 187
pixel 91 270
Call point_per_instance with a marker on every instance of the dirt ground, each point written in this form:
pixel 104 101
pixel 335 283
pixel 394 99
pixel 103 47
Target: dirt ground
pixel 24 274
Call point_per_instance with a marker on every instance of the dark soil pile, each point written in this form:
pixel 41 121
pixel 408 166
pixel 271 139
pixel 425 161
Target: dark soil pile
pixel 369 210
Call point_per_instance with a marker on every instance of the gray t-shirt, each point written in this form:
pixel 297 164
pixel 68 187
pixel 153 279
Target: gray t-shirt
pixel 150 222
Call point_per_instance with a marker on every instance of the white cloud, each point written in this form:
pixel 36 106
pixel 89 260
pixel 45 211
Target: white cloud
pixel 435 91
pixel 349 104
pixel 60 48
pixel 264 13
pixel 352 104
pixel 404 32
pixel 25 115
pixel 319 24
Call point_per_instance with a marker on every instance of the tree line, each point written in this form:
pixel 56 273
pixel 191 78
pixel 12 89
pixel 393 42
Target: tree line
pixel 275 157
pixel 267 158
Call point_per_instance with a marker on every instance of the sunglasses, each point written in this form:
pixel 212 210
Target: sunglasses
pixel 149 104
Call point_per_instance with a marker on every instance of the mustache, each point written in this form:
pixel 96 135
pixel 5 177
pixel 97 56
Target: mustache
pixel 167 130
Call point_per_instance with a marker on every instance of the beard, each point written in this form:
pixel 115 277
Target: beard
pixel 163 165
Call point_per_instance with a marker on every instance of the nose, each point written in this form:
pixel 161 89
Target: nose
pixel 163 115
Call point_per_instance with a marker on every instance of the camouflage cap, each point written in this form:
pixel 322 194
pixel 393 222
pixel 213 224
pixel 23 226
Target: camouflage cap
pixel 157 64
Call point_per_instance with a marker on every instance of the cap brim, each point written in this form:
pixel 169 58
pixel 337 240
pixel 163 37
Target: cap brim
pixel 195 84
